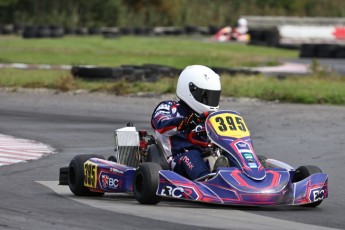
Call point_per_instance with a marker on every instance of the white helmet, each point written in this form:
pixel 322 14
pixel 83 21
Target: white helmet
pixel 242 22
pixel 199 87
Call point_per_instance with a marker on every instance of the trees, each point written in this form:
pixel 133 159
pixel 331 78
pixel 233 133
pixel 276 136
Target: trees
pixel 73 13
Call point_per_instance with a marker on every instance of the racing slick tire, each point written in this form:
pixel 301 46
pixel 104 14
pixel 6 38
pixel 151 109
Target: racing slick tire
pixel 303 172
pixel 145 183
pixel 155 154
pixel 112 159
pixel 262 160
pixel 76 175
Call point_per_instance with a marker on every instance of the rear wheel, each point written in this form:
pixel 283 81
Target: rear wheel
pixel 113 159
pixel 76 175
pixel 155 154
pixel 145 183
pixel 303 172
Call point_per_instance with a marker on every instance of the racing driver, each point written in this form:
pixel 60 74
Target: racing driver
pixel 198 89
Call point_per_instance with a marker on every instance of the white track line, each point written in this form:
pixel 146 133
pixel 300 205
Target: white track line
pixel 206 217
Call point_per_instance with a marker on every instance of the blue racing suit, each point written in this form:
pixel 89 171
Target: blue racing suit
pixel 186 157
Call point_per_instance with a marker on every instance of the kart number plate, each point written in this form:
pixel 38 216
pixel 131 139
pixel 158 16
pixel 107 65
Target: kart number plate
pixel 90 174
pixel 229 125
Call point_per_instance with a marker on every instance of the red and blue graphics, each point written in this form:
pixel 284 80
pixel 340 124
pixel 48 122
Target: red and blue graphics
pixel 231 186
pixel 228 130
pixel 108 176
pixel 249 183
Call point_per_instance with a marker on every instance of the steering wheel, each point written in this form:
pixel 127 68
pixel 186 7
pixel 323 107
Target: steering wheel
pixel 191 137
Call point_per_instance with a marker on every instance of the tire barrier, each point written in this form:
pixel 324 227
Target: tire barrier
pixel 42 32
pixel 7 29
pixel 264 37
pixel 153 72
pixel 130 73
pixel 111 32
pixel 322 51
pixel 54 31
pixel 284 36
pixel 146 72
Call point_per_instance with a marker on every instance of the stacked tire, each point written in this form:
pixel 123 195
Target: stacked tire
pixel 130 73
pixel 42 32
pixel 322 51
pixel 264 37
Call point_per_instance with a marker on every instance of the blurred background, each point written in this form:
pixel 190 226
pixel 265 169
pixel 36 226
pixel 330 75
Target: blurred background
pixel 150 13
pixel 109 45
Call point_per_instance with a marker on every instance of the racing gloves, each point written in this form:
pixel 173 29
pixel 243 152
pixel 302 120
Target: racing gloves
pixel 188 123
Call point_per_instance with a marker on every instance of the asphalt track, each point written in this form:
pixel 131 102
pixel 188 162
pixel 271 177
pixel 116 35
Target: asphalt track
pixel 84 123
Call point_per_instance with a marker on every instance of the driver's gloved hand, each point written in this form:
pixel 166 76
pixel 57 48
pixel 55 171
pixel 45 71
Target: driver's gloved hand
pixel 201 118
pixel 188 123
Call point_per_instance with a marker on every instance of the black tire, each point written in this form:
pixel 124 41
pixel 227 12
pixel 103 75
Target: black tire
pixel 308 51
pixel 145 183
pixel 326 51
pixel 63 176
pixel 76 176
pixel 29 32
pixel 274 38
pixel 95 73
pixel 303 172
pixel 262 160
pixel 156 155
pixel 340 53
pixel 113 159
pixel 56 32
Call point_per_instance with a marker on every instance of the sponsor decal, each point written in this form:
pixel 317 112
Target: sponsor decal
pixel 116 170
pixel 176 192
pixel 173 110
pixel 162 113
pixel 105 180
pixel 252 165
pixel 163 107
pixel 248 157
pixel 242 146
pixel 108 182
pixel 90 174
pixel 316 194
pixel 186 160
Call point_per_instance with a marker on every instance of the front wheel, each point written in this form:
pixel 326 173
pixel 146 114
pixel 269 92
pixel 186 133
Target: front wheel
pixel 262 160
pixel 303 172
pixel 145 183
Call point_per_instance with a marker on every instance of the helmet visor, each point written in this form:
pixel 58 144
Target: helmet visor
pixel 205 96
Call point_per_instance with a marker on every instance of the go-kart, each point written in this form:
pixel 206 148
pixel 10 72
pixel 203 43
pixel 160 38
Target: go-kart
pixel 140 167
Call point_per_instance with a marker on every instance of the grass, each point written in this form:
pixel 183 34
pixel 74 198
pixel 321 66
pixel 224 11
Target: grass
pixel 300 89
pixel 172 51
pixel 318 88
pixel 64 81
